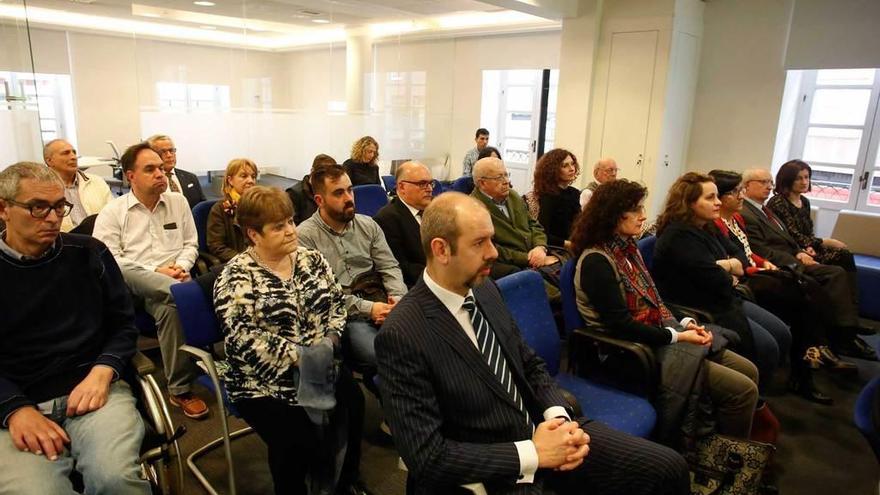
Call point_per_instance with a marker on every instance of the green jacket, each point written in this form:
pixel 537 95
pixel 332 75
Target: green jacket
pixel 514 236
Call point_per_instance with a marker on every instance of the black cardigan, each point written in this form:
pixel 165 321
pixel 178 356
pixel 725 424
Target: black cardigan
pixel 361 173
pixel 557 212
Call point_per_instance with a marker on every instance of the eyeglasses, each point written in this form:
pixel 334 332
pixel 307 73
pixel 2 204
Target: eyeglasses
pixel 503 177
pixel 764 182
pixel 41 209
pixel 166 151
pixel 734 192
pixel 421 184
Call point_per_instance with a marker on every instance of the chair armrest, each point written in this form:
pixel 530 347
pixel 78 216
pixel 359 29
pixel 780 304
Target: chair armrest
pixel 624 364
pixel 573 402
pixel 682 311
pixel 142 364
pixel 209 258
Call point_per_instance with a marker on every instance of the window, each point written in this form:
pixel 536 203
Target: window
pixel 50 95
pixel 192 97
pixel 405 112
pixel 837 131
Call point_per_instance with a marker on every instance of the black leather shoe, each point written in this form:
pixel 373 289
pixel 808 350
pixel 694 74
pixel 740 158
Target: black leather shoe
pixel 806 389
pixel 857 348
pixel 834 363
pixel 864 330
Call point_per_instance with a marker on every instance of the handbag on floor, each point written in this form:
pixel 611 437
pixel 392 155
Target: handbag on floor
pixel 722 465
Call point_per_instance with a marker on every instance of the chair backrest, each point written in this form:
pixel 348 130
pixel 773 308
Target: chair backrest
pixel 196 313
pixel 369 199
pixel 646 247
pixel 438 188
pixel 200 215
pixel 526 298
pixel 390 183
pixel 863 414
pixel 463 184
pixel 570 314
pixel 859 231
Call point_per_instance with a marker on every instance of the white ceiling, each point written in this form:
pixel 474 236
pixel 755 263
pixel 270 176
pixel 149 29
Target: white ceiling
pixel 278 24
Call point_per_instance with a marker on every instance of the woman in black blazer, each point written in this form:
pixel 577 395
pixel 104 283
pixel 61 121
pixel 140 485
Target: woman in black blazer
pixel 363 167
pixel 692 268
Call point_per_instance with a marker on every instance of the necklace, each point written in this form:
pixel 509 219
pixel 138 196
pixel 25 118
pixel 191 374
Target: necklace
pixel 278 273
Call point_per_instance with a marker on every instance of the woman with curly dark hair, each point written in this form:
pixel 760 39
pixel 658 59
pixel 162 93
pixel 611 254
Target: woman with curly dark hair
pixel 363 167
pixel 615 293
pixel 692 268
pixel 553 197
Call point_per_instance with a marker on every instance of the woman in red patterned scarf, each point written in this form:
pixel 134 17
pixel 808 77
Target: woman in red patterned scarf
pixel 615 293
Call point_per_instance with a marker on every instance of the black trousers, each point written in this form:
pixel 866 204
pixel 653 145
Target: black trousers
pixel 622 464
pixel 297 446
pixel 837 284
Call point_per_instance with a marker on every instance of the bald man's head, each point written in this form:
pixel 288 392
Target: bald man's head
pixel 457 236
pixel 415 186
pixel 490 176
pixel 605 170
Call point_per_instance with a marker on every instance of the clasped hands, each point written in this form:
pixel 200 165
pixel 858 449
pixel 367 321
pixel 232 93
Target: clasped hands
pixel 561 445
pixel 538 257
pixel 174 271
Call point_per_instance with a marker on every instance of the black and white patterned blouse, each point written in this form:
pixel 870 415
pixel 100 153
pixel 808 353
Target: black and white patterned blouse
pixel 264 319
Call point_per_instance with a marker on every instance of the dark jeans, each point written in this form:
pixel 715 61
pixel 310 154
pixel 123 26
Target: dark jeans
pixel 297 446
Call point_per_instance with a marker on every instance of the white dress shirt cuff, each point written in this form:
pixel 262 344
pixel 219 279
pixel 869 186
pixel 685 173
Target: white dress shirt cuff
pixel 687 321
pixel 674 335
pixel 528 461
pixel 556 412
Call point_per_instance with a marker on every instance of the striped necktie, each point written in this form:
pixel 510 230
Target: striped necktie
pixel 491 350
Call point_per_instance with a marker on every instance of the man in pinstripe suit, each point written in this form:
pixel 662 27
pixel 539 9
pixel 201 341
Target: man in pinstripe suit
pixel 457 420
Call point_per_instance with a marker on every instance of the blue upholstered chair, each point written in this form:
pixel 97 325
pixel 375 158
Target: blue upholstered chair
pixel 438 188
pixel 863 414
pixel 624 364
pixel 646 247
pixel 463 184
pixel 202 331
pixel 390 183
pixel 369 199
pixel 527 301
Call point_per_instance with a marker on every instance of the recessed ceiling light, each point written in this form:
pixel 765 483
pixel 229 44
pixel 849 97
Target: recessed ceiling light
pixel 321 21
pixel 210 28
pixel 204 3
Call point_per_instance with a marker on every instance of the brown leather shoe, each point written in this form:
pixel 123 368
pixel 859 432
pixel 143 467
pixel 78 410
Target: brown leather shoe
pixel 192 406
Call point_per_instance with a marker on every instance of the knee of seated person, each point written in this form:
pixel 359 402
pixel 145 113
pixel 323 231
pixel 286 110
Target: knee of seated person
pixel 117 477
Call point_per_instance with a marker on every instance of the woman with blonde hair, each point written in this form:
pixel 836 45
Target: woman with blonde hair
pixel 225 239
pixel 362 167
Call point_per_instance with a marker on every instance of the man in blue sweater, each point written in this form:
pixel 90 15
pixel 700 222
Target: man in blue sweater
pixel 68 333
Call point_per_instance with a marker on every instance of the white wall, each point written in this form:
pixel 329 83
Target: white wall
pixel 740 85
pixel 114 82
pixel 839 34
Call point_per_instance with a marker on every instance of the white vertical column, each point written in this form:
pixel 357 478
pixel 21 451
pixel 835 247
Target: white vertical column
pixel 578 48
pixel 358 63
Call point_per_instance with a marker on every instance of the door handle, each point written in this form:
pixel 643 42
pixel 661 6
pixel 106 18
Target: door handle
pixel 863 181
pixel 534 145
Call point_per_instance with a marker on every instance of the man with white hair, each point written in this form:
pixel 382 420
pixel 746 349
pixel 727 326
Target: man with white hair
pixel 769 238
pixel 87 193
pixel 179 181
pixel 520 239
pixel 605 170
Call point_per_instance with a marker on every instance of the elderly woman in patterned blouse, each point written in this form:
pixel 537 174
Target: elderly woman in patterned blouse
pixel 276 302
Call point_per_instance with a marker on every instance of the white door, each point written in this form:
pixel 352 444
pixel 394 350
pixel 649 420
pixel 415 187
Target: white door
pixel 518 124
pixel 631 72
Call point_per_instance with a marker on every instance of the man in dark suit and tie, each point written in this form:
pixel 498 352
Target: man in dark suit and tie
pixel 769 239
pixel 400 219
pixel 180 181
pixel 469 402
